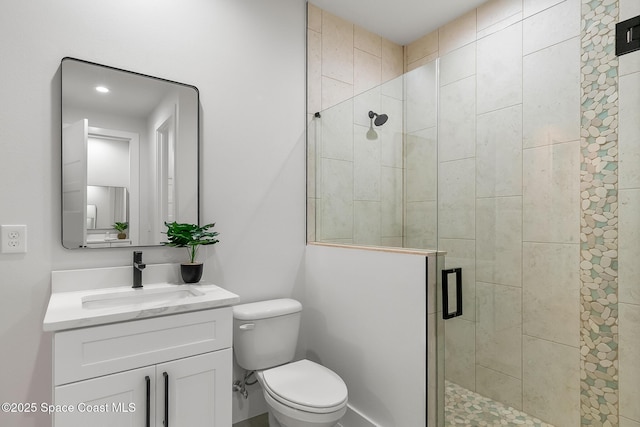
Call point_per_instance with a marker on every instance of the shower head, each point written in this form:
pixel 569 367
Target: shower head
pixel 380 118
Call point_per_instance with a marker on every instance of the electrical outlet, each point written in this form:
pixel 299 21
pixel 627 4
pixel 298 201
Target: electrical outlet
pixel 13 239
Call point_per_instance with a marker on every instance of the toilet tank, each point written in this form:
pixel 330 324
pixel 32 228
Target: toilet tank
pixel 265 333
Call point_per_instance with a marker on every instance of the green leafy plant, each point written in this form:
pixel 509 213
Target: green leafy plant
pixel 190 236
pixel 121 226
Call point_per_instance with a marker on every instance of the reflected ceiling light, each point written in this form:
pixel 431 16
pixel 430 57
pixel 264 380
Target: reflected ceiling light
pixel 102 89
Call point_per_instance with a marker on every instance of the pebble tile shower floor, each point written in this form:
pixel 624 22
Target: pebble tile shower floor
pixel 466 408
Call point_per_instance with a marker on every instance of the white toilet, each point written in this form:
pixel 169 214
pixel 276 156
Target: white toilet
pixel 299 394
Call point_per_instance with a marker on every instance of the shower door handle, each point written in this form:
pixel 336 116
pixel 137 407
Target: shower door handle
pixel 446 314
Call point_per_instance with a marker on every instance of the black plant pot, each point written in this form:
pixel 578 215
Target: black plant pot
pixel 191 273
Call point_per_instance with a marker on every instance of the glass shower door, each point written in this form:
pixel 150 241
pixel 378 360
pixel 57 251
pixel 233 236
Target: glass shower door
pixel 420 214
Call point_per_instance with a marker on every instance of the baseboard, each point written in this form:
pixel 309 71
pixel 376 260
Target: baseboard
pixel 355 418
pixel 352 418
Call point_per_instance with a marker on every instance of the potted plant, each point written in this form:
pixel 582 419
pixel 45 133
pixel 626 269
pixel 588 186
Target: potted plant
pixel 121 226
pixel 191 237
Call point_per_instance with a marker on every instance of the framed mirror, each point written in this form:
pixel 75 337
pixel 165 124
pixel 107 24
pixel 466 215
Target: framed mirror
pixel 129 155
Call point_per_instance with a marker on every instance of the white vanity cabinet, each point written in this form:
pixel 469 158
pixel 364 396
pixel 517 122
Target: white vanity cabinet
pixel 167 371
pixel 112 400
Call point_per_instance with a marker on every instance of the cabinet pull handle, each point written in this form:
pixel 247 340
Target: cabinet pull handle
pixel 148 380
pixel 166 399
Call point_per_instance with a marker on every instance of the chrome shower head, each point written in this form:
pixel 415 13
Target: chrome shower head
pixel 380 118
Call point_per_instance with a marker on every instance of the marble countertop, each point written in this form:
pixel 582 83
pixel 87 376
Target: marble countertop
pixel 77 302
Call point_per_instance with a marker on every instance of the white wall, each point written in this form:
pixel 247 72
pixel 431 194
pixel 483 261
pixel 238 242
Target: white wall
pixel 364 317
pixel 247 59
pixel 107 162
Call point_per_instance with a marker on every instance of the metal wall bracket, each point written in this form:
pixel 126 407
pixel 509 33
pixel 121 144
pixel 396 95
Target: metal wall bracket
pixel 628 36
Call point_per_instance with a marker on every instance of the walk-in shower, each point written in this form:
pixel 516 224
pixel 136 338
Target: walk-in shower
pixel 512 152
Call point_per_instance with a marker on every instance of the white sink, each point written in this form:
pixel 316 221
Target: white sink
pixel 97 296
pixel 140 296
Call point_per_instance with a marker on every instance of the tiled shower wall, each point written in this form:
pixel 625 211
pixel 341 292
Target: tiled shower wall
pixel 508 179
pixel 628 268
pixel 599 343
pixel 355 195
pixel 549 292
pixel 345 60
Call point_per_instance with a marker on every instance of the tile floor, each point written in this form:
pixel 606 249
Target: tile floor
pixel 463 408
pixel 258 421
pixel 469 409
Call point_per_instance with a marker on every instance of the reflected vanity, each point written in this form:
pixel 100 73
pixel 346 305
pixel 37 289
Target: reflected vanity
pixel 129 154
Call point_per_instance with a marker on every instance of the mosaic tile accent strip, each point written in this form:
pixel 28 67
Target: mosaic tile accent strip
pixel 599 216
pixel 466 408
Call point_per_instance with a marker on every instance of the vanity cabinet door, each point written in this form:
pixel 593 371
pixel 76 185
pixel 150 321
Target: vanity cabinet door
pixel 199 390
pixel 115 400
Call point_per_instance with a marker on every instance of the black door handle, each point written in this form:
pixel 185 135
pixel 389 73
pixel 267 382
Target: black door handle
pixel 148 380
pixel 446 314
pixel 166 399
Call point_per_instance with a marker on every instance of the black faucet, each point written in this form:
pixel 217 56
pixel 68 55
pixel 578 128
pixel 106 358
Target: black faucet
pixel 138 266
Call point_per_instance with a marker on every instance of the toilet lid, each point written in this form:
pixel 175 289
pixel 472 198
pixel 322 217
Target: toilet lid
pixel 305 383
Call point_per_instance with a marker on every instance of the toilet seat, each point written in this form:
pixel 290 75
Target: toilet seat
pixel 306 386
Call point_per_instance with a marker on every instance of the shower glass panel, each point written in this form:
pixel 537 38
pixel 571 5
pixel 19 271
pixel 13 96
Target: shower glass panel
pixel 445 172
pixel 373 182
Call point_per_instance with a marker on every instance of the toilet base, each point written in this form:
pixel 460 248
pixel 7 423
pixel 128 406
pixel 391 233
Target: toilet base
pixel 283 416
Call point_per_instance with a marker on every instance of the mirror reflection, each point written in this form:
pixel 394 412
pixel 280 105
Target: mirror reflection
pixel 106 206
pixel 129 155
